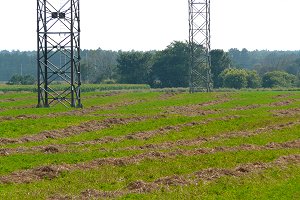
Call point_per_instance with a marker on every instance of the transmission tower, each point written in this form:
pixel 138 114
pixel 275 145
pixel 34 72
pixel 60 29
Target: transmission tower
pixel 58 53
pixel 199 42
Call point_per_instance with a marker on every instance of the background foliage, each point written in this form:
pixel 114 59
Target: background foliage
pixel 170 67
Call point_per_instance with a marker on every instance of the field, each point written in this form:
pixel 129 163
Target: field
pixel 152 145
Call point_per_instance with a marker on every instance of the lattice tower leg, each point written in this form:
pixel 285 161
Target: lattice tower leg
pixel 199 42
pixel 58 53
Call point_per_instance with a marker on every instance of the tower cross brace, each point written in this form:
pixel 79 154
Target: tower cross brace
pixel 58 53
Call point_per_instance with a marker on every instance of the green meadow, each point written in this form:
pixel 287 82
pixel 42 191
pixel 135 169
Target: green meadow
pixel 143 144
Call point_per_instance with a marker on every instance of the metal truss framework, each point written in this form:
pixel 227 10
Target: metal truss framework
pixel 58 52
pixel 199 42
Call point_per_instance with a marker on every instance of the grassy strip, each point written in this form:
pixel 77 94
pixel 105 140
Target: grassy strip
pixel 19 128
pixel 97 100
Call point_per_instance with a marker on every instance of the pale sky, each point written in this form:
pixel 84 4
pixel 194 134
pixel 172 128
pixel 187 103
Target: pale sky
pixel 154 24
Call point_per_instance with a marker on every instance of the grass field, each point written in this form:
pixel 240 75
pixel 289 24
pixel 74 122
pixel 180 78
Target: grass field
pixel 152 145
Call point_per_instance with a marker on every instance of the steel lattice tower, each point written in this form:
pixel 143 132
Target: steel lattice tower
pixel 58 52
pixel 199 42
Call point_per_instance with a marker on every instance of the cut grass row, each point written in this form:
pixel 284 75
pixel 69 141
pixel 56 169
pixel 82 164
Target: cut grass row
pixel 110 178
pixel 88 152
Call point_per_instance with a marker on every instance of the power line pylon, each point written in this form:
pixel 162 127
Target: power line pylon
pixel 199 42
pixel 58 52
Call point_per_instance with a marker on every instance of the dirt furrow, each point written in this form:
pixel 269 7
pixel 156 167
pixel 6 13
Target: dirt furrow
pixel 75 130
pixel 283 96
pixel 149 134
pixel 275 104
pixel 139 187
pixel 201 140
pixel 249 107
pixel 287 112
pixel 77 112
pixel 196 109
pixel 54 171
pixel 107 94
pixel 7 100
pixel 4 118
pixel 282 103
pixel 18 108
pixel 167 95
pixel 89 110
pixel 139 136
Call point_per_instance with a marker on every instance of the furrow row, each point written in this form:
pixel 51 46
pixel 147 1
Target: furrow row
pixel 54 171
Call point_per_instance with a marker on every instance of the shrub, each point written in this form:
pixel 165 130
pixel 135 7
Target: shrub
pixel 278 79
pixel 109 81
pixel 234 78
pixel 21 80
pixel 253 79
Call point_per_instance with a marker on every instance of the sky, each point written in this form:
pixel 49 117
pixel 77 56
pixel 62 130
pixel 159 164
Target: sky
pixel 154 24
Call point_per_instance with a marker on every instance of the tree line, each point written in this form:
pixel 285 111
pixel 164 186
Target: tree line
pixel 232 69
pixel 169 67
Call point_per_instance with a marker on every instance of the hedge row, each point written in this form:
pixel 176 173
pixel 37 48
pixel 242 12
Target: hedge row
pixel 84 88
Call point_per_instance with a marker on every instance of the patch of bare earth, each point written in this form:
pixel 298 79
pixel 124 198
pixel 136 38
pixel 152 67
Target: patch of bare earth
pixel 288 112
pixel 7 100
pixel 196 109
pixel 205 175
pixel 248 107
pixel 51 149
pixel 283 96
pixel 31 175
pixel 282 103
pixel 107 94
pixel 53 171
pixel 167 95
pixel 18 107
pixel 15 99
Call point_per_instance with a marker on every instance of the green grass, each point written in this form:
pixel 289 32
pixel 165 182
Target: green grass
pixel 273 183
